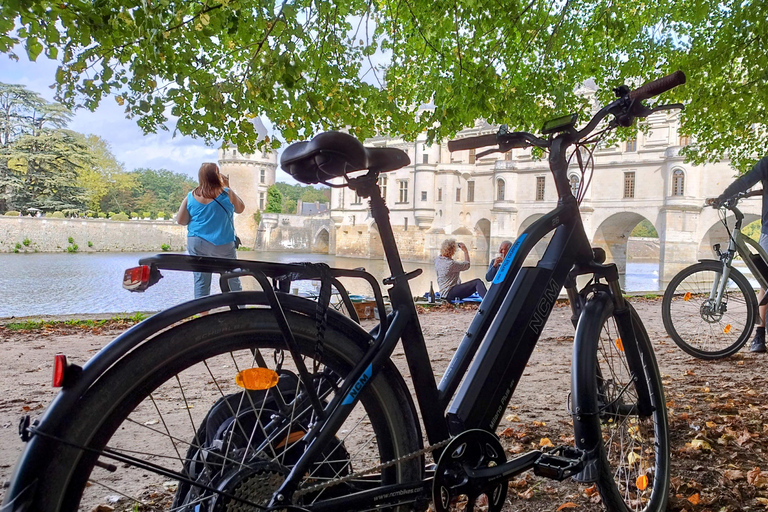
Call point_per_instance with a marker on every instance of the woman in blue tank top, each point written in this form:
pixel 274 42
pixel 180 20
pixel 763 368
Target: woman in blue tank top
pixel 208 212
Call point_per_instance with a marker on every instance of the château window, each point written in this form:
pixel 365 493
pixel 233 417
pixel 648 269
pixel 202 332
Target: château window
pixel 684 140
pixel 262 176
pixel 458 194
pixel 631 145
pixel 423 195
pixel 500 186
pixel 383 186
pixel 472 156
pixel 539 188
pixel 470 191
pixel 508 155
pixel 629 184
pixel 357 200
pixel 261 200
pixel 403 197
pixel 425 158
pixel 678 182
pixel 405 224
pixel 440 194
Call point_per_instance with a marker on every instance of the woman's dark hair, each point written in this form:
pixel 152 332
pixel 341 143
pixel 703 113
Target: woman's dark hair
pixel 210 182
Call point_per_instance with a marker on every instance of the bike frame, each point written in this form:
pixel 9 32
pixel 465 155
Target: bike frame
pixel 739 244
pixel 500 339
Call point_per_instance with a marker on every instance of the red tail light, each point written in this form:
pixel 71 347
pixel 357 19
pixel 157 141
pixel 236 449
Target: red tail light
pixel 59 368
pixel 136 279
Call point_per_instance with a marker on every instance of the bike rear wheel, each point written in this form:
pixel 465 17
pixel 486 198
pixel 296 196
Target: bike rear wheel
pixel 633 471
pixel 698 324
pixel 173 404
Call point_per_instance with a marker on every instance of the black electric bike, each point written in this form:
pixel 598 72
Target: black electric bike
pixel 275 402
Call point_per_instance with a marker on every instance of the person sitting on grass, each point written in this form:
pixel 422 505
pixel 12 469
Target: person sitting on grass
pixel 448 270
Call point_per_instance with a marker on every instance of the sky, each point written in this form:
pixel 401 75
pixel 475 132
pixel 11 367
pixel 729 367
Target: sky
pixel 129 144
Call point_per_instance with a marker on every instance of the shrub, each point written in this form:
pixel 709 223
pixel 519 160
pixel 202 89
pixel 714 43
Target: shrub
pixel 72 248
pixel 102 215
pixel 90 244
pixel 26 242
pixel 146 215
pixel 17 247
pixel 161 215
pixel 11 213
pixel 257 217
pixel 134 215
pixel 71 240
pixel 165 247
pixel 119 216
pixel 57 215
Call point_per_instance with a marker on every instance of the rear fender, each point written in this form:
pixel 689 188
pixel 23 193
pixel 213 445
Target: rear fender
pixel 35 455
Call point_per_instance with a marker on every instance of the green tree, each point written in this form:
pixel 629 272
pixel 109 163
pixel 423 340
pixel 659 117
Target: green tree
pixel 105 179
pixel 274 200
pixel 160 189
pixel 309 67
pixel 645 229
pixel 23 112
pixel 41 171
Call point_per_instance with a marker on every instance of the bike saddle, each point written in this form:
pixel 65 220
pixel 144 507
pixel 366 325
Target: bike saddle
pixel 333 154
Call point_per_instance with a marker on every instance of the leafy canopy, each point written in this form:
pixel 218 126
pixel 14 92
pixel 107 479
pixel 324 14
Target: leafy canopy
pixel 315 65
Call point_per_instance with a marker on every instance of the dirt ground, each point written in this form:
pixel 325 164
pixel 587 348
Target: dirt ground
pixel 718 410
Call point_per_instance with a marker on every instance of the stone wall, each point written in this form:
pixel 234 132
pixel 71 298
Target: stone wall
pixel 296 233
pixel 47 234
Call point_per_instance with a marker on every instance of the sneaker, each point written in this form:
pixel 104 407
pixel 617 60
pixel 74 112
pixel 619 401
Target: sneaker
pixel 758 343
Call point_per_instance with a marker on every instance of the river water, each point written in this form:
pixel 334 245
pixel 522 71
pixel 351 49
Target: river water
pixel 86 283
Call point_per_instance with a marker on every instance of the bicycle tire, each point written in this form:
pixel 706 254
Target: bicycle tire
pixel 626 482
pixel 144 385
pixel 691 322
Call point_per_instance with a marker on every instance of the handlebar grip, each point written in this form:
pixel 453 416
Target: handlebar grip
pixel 658 86
pixel 480 141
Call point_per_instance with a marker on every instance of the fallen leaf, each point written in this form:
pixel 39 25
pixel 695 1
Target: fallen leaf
pixel 734 474
pixel 591 491
pixel 695 499
pixel 545 442
pixel 568 504
pixel 527 494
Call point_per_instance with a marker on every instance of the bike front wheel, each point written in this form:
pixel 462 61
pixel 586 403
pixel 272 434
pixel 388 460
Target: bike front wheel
pixel 700 324
pixel 632 450
pixel 173 407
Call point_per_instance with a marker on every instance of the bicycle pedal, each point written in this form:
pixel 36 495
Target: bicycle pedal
pixel 560 463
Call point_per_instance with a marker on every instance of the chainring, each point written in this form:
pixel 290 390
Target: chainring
pixel 473 449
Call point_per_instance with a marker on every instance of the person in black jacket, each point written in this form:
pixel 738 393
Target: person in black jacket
pixel 758 173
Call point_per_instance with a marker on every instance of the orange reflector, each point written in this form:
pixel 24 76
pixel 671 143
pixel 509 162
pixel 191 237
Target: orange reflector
pixel 292 438
pixel 619 345
pixel 687 296
pixel 727 329
pixel 257 379
pixel 59 366
pixel 642 482
pixel 136 279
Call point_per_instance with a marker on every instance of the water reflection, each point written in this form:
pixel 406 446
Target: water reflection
pixel 66 284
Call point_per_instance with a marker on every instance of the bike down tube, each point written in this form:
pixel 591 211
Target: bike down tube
pixel 495 296
pixel 732 248
pixel 511 338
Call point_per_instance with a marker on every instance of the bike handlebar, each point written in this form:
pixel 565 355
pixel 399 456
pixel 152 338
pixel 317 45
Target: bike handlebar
pixel 480 141
pixel 627 105
pixel 658 86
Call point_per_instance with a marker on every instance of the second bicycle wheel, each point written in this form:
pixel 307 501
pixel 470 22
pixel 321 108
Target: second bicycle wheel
pixel 633 457
pixel 697 322
pixel 173 407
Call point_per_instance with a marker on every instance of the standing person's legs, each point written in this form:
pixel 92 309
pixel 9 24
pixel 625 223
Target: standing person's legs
pixel 228 251
pixel 758 342
pixel 198 247
pixel 464 290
